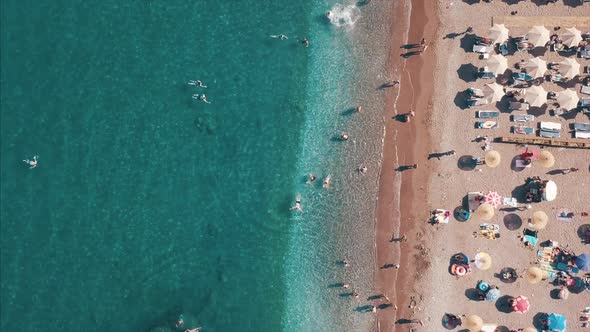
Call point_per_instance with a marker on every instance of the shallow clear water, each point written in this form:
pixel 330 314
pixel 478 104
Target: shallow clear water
pixel 148 204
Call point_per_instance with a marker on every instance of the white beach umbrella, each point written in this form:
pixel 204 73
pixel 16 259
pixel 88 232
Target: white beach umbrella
pixel 536 67
pixel 536 96
pixel 569 68
pixel 498 33
pixel 538 36
pixel 550 191
pixel 497 64
pixel 571 37
pixel 493 92
pixel 568 99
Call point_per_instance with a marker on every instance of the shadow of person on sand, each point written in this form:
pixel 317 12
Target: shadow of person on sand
pixel 410 54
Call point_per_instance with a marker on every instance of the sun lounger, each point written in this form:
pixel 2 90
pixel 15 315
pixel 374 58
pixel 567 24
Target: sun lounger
pixel 476 102
pixel 580 126
pixel 483 48
pixel 486 125
pixel 549 134
pixel 485 74
pixel 487 114
pixel 523 118
pixel 524 130
pixel 475 93
pixel 554 126
pixel 585 90
pixel 520 163
pixel 522 77
pixel 503 48
pixel 582 134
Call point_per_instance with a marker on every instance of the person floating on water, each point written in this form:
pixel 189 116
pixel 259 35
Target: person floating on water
pixel 327 181
pixel 297 205
pixel 201 97
pixel 32 163
pixel 344 137
pixel 197 83
pixel 305 42
pixel 311 178
pixel 281 37
pixel 363 169
pixel 196 329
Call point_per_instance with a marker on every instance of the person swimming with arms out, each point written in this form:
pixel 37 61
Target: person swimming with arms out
pixel 281 37
pixel 32 163
pixel 311 178
pixel 201 97
pixel 197 83
pixel 297 205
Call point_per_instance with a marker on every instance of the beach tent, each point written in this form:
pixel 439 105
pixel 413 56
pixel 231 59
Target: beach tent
pixel 536 67
pixel 483 261
pixel 538 36
pixel 493 198
pixel 497 64
pixel 473 323
pixel 569 68
pixel 571 37
pixel 550 192
pixel 556 322
pixel 583 262
pixel 534 275
pixel 539 220
pixel 536 96
pixel 568 99
pixel 484 212
pixel 499 33
pixel 521 304
pixel 493 295
pixel 492 158
pixel 546 159
pixel 493 92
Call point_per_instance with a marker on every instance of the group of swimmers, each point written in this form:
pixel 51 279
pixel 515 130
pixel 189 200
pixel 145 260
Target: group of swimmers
pixel 197 96
pixel 303 41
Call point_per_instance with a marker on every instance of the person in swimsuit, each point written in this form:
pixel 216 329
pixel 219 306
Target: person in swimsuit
pixel 281 37
pixel 201 97
pixel 197 83
pixel 327 181
pixel 32 163
pixel 305 42
pixel 311 178
pixel 297 205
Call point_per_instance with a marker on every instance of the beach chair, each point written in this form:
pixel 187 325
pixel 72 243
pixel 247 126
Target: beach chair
pixel 483 49
pixel 503 48
pixel 581 126
pixel 582 134
pixel 476 102
pixel 485 74
pixel 475 93
pixel 523 130
pixel 550 129
pixel 486 125
pixel 487 114
pixel 521 77
pixel 549 134
pixel 585 90
pixel 523 118
pixel 521 163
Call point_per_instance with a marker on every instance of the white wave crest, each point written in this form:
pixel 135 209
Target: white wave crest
pixel 341 15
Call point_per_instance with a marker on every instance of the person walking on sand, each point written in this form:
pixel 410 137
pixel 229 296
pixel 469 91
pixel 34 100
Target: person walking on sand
pixel 32 163
pixel 297 205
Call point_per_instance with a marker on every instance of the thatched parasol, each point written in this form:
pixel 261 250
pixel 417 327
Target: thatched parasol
pixel 473 323
pixel 546 159
pixel 484 212
pixel 539 220
pixel 492 158
pixel 534 275
pixel 483 261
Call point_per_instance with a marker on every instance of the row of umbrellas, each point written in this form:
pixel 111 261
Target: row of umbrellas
pixel 537 36
pixel 555 322
pixel 544 158
pixel 536 67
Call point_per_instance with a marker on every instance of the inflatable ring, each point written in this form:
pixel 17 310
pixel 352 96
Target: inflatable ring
pixel 460 270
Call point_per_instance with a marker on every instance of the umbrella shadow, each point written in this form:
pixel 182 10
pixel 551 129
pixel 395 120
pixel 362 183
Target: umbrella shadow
pixel 513 166
pixel 519 192
pixel 503 304
pixel 538 320
pixel 582 231
pixel 511 2
pixel 538 111
pixel 461 100
pixel 471 2
pixel 554 293
pixel 572 3
pixel 473 294
pixel 467 72
pixel 467 42
pixel 504 104
pixel 502 328
pixel 466 163
pixel 512 221
pixel 538 51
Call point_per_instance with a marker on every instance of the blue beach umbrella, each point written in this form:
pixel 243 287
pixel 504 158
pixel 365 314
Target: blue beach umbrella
pixel 492 295
pixel 556 322
pixel 583 262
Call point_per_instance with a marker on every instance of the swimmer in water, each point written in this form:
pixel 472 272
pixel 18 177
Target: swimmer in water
pixel 197 83
pixel 201 97
pixel 305 42
pixel 281 37
pixel 327 181
pixel 297 205
pixel 311 178
pixel 329 15
pixel 32 163
pixel 344 137
pixel 363 169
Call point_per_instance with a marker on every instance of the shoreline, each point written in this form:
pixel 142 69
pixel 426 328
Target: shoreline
pixel 415 94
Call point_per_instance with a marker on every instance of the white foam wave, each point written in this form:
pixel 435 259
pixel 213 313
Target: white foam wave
pixel 343 16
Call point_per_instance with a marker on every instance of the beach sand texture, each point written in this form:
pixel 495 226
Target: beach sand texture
pixel 434 290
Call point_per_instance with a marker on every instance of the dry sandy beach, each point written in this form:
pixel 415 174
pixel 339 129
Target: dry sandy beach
pixel 423 289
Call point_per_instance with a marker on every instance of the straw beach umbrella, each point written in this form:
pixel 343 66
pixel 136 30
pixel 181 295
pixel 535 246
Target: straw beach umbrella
pixel 536 67
pixel 534 275
pixel 473 323
pixel 530 329
pixel 497 64
pixel 484 212
pixel 499 33
pixel 568 99
pixel 538 36
pixel 546 159
pixel 483 261
pixel 569 68
pixel 539 220
pixel 493 92
pixel 492 158
pixel 571 37
pixel 536 96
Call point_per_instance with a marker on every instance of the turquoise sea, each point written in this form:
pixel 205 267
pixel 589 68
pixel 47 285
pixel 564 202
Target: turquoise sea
pixel 148 205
